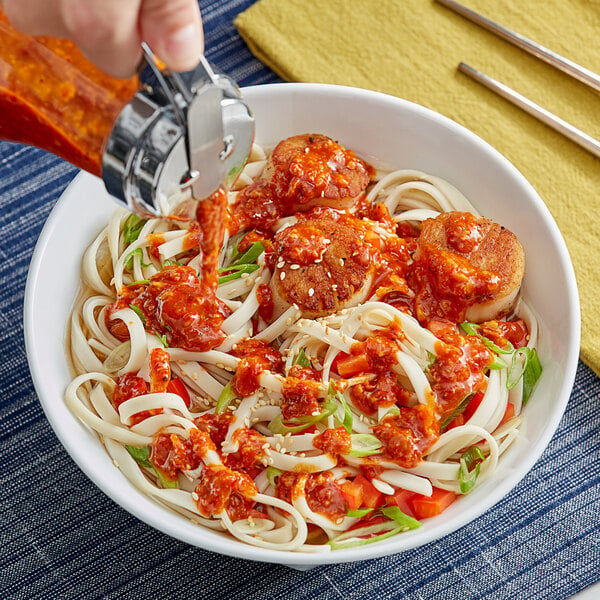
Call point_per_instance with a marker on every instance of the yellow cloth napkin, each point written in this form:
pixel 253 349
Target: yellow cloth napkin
pixel 411 48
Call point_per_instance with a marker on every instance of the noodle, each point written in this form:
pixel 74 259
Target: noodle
pixel 306 418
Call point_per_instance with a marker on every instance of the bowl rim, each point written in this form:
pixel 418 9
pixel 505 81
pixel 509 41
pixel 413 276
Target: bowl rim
pixel 231 546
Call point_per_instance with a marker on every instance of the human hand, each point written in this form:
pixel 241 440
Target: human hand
pixel 110 32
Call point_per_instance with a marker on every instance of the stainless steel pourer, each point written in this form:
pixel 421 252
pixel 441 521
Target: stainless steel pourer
pixel 182 135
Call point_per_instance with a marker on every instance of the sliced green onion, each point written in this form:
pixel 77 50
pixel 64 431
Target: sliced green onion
pixel 470 463
pixel 132 228
pixel 518 365
pixel 347 421
pixel 473 329
pixel 302 359
pixel 393 411
pixel 225 399
pixel 364 444
pixel 359 512
pixel 140 455
pixel 405 521
pixel 272 475
pixel 276 426
pixel 239 270
pixel 163 339
pixel 327 409
pixel 139 282
pixel 457 411
pixel 498 363
pixel 532 373
pixel 142 458
pixel 251 255
pixel 170 263
pixel 136 252
pixel 348 539
pixel 166 483
pixel 138 311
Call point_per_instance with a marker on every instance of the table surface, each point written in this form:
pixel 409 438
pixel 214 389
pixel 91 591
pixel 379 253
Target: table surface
pixel 63 538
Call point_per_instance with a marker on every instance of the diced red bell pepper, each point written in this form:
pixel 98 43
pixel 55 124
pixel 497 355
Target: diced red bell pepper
pixel 402 499
pixel 176 386
pixel 430 506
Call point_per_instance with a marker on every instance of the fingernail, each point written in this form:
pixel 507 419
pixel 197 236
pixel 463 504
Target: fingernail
pixel 183 48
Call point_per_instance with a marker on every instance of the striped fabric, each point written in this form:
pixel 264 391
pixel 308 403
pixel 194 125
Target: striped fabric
pixel 61 537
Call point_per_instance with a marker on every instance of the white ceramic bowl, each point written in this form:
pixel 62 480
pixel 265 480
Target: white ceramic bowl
pixel 389 132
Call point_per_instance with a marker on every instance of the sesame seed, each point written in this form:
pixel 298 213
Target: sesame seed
pixel 195 496
pixel 294 267
pixel 341 262
pixel 282 275
pixel 334 286
pixel 311 292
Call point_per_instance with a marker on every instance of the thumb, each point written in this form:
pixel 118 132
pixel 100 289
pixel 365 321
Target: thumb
pixel 173 30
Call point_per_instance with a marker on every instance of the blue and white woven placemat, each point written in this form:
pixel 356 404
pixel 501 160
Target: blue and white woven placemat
pixel 61 537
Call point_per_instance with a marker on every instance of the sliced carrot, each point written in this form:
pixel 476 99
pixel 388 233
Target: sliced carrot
pixel 351 365
pixel 430 506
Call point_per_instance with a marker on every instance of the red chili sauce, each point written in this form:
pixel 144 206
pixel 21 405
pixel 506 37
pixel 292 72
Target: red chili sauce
pixel 323 495
pixel 333 441
pixel 130 386
pixel 406 436
pixel 300 392
pixel 222 489
pixel 257 356
pixel 444 279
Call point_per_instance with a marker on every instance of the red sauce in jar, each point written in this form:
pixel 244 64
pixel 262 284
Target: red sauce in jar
pixel 54 98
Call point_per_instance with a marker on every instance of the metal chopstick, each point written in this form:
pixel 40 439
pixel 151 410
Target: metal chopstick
pixel 556 60
pixel 576 135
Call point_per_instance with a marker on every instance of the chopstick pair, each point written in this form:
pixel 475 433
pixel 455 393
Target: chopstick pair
pixel 561 63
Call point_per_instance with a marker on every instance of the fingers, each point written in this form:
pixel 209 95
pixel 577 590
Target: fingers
pixel 109 32
pixel 173 30
pixel 106 31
